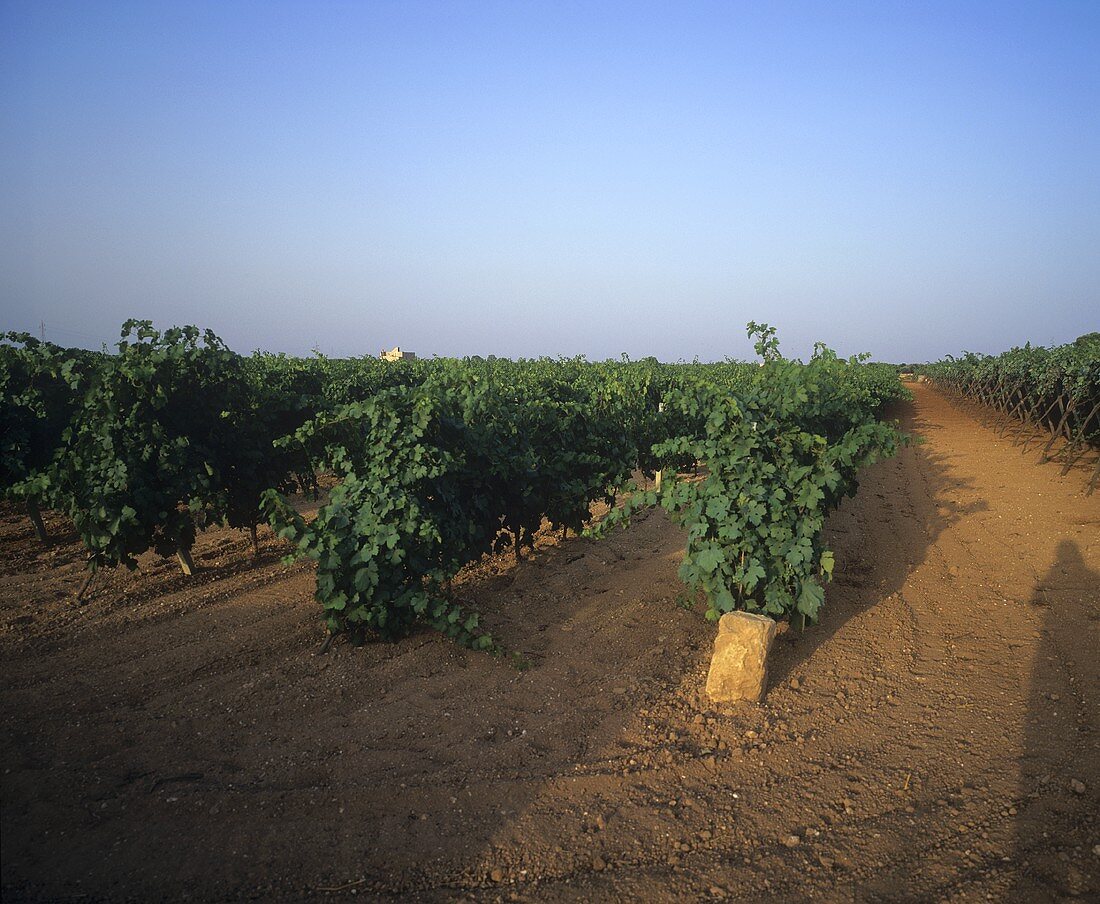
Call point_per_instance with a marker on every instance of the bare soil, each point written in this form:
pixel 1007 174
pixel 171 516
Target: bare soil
pixel 935 738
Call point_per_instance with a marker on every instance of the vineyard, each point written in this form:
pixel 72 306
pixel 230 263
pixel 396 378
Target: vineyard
pixel 1052 391
pixel 438 463
pixel 177 518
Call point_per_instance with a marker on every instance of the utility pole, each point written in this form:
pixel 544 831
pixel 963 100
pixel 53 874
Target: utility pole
pixel 42 330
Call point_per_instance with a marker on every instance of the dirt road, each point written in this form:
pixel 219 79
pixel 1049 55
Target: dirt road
pixel 936 737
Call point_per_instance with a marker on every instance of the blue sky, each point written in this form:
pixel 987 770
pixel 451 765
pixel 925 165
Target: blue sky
pixel 910 179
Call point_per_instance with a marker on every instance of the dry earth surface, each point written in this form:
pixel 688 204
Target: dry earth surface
pixel 935 738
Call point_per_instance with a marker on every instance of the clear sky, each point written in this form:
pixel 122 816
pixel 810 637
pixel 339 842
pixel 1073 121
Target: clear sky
pixel 557 178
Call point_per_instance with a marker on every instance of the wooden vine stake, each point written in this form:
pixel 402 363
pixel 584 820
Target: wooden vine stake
pixel 36 519
pixel 658 474
pixel 183 556
pixel 88 586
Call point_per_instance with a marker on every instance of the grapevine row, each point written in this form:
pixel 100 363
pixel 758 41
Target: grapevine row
pixel 439 462
pixel 1052 392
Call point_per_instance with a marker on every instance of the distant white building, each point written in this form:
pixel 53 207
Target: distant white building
pixel 395 354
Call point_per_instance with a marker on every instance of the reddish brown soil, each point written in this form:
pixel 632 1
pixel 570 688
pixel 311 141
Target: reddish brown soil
pixel 936 737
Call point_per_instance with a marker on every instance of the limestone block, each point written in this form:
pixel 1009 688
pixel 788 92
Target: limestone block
pixel 739 666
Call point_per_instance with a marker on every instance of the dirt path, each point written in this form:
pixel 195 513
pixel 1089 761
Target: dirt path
pixel 181 740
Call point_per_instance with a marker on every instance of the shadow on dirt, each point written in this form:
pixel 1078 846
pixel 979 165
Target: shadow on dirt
pixel 395 767
pixel 887 534
pixel 1059 817
pixel 1046 441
